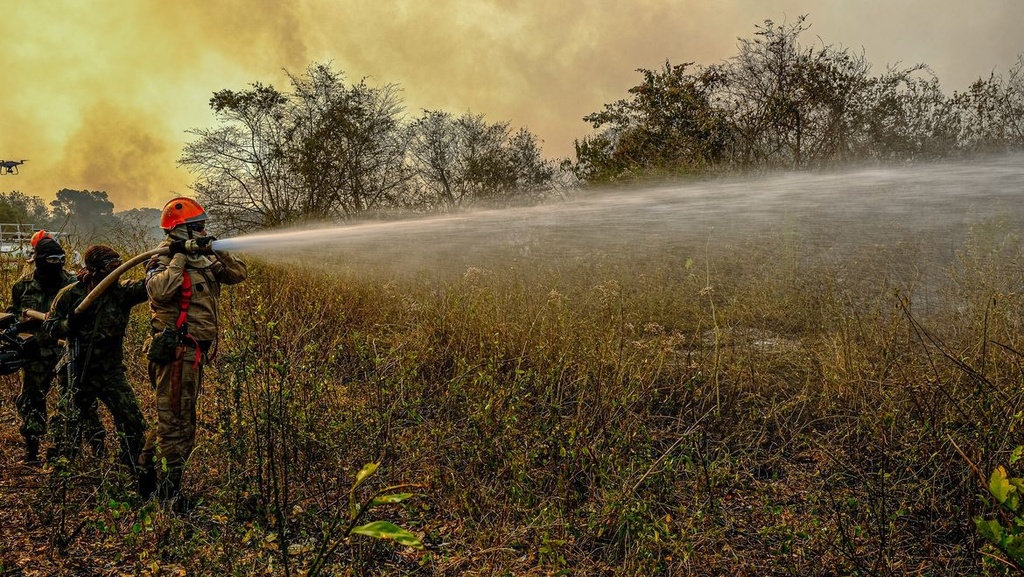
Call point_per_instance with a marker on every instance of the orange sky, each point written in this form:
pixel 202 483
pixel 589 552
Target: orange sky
pixel 98 94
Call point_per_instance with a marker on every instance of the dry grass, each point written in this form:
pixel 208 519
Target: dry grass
pixel 765 408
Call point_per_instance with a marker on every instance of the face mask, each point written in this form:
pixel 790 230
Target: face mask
pixel 47 271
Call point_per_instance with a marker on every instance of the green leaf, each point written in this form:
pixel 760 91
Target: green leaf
pixel 1013 545
pixel 999 485
pixel 364 473
pixel 387 499
pixel 1018 490
pixel 387 530
pixel 1016 454
pixel 989 529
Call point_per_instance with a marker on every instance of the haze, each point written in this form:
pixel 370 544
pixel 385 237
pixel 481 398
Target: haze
pixel 98 95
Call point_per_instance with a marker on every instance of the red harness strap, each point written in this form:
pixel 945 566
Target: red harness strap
pixel 186 298
pixel 182 324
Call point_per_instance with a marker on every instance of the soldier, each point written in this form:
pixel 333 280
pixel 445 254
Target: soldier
pixel 31 297
pixel 97 335
pixel 184 288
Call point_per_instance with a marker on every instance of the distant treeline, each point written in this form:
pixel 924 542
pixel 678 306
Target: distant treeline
pixel 329 150
pixel 781 105
pixel 82 217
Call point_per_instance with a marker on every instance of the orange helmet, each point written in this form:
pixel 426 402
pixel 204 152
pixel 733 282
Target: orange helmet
pixel 38 236
pixel 181 210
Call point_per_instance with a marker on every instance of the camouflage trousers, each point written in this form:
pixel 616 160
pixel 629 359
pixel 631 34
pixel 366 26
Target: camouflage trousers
pixel 36 380
pixel 177 386
pixel 111 387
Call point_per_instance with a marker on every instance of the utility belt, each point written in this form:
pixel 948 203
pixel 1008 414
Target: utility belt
pixel 163 348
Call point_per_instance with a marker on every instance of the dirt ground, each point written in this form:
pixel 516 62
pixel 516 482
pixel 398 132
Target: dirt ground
pixel 62 524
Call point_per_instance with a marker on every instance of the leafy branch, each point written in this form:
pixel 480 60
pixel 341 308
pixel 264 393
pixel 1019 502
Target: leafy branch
pixel 357 510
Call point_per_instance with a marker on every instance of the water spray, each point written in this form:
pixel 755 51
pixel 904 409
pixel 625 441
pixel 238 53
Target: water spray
pixel 833 212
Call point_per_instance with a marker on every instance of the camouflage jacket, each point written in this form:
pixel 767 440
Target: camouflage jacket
pixel 28 293
pixel 163 281
pixel 103 325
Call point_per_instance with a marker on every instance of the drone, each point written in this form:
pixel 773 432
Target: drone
pixel 10 166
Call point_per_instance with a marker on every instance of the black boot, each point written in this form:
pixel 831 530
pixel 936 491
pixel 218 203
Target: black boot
pixel 31 452
pixel 167 490
pixel 99 447
pixel 146 482
pixel 183 504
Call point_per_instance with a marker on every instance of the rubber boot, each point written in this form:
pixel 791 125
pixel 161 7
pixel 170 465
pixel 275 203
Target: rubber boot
pixel 167 490
pixel 183 504
pixel 31 452
pixel 170 494
pixel 98 447
pixel 146 482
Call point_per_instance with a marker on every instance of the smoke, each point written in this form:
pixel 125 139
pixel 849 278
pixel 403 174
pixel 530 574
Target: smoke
pixel 99 95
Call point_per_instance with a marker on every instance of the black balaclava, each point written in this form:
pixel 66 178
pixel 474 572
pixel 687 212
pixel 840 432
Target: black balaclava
pixel 48 274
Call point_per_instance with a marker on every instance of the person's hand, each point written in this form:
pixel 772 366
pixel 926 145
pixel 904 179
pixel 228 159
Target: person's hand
pixel 204 244
pixel 177 247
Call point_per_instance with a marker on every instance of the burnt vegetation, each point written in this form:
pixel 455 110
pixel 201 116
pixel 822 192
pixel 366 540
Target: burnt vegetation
pixel 756 407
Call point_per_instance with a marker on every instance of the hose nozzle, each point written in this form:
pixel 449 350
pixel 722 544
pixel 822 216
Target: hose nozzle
pixel 203 245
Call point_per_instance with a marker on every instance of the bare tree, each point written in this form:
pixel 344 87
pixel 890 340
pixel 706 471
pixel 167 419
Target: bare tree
pixel 346 145
pixel 459 161
pixel 241 175
pixel 794 105
pixel 323 151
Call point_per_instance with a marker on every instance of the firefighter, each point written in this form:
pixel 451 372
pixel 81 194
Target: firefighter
pixel 98 372
pixel 31 297
pixel 184 289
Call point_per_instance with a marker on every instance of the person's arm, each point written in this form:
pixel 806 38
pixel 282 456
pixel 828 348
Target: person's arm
pixel 57 324
pixel 135 291
pixel 15 306
pixel 163 281
pixel 28 307
pixel 232 270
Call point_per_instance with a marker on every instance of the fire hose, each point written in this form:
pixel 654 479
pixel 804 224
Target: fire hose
pixel 190 247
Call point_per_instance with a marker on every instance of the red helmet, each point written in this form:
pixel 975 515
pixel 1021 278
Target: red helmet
pixel 38 236
pixel 181 210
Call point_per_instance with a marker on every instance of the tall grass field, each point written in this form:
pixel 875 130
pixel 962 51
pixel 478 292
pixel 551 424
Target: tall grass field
pixel 800 384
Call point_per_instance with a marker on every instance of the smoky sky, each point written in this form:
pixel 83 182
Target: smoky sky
pixel 99 95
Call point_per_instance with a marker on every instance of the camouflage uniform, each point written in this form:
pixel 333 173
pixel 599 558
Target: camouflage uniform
pixel 178 382
pixel 99 365
pixel 37 372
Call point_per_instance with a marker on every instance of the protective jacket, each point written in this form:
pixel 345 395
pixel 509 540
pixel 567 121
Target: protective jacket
pixel 102 327
pixel 29 293
pixel 163 282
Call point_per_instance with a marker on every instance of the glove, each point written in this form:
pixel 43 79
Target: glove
pixel 177 247
pixel 204 244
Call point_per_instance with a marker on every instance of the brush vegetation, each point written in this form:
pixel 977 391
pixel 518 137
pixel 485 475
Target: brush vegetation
pixel 749 407
pixel 758 408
